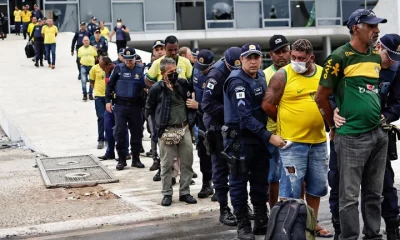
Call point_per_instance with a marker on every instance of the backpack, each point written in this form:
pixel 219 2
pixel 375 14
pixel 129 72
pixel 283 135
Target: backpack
pixel 291 220
pixel 29 50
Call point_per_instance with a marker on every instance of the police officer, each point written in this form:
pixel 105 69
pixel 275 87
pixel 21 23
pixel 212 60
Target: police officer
pixel 100 43
pixel 213 107
pixel 39 42
pixel 36 12
pixel 78 40
pixel 246 141
pixel 201 67
pixel 127 81
pixel 92 26
pixel 389 82
pixel 120 56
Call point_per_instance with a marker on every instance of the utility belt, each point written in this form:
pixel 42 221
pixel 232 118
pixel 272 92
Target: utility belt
pixel 212 140
pixel 126 102
pixel 231 153
pixel 180 125
pixel 393 135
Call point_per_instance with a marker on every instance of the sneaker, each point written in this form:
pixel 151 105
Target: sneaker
pixel 100 145
pixel 167 201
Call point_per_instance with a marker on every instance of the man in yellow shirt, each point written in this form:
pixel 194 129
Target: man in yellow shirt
pixel 97 82
pixel 31 26
pixel 289 101
pixel 87 57
pixel 26 19
pixel 17 20
pixel 49 33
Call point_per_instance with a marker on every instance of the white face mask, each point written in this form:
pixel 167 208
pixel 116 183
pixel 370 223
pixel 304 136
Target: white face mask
pixel 119 24
pixel 299 67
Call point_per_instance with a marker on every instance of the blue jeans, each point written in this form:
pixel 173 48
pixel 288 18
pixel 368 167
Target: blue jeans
pixel 310 165
pixel 109 123
pixel 25 28
pixel 275 164
pixel 50 48
pixel 100 105
pixel 85 79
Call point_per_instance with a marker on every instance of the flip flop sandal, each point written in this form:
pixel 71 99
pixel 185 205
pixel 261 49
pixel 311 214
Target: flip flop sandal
pixel 323 233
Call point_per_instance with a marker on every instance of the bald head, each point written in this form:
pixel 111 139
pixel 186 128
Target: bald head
pixel 185 52
pixel 86 41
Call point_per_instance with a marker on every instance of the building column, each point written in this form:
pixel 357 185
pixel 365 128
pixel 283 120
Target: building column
pixel 194 44
pixel 326 44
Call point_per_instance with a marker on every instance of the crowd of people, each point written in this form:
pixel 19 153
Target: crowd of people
pixel 265 128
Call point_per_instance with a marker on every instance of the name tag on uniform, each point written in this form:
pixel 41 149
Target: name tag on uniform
pixel 258 91
pixel 80 35
pixel 127 75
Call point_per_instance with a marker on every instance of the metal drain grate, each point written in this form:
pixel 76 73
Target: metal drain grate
pixel 74 171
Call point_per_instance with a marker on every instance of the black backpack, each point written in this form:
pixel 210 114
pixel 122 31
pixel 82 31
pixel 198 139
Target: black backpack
pixel 291 220
pixel 29 50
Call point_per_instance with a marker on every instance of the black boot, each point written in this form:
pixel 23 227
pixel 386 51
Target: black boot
pixel 336 226
pixel 260 219
pixel 206 190
pixel 41 63
pixel 157 177
pixel 226 217
pixel 156 164
pixel 251 214
pixel 121 163
pixel 392 228
pixel 244 224
pixel 36 64
pixel 136 161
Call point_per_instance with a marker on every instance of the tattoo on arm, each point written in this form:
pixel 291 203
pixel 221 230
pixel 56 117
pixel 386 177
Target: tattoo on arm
pixel 276 88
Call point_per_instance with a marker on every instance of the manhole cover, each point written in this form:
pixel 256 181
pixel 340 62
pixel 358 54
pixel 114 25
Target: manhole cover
pixel 74 171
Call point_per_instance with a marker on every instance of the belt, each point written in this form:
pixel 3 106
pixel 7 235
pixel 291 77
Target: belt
pixel 180 125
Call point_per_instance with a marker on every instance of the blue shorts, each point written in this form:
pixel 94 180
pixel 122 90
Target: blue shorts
pixel 275 164
pixel 310 162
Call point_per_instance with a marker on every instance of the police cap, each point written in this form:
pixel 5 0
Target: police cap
pixel 391 42
pixel 129 53
pixel 204 60
pixel 232 57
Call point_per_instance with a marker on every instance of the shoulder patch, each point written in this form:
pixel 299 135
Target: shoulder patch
pixel 240 89
pixel 240 95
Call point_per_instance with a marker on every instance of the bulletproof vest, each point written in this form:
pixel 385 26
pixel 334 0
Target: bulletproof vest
pixel 199 83
pixel 386 77
pixel 257 87
pixel 130 83
pixel 81 35
pixel 37 31
pixel 99 45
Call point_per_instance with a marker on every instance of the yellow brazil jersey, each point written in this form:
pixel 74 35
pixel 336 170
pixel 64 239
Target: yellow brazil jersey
pixel 299 119
pixel 269 72
pixel 97 75
pixel 26 16
pixel 105 32
pixel 50 34
pixel 87 55
pixel 183 68
pixel 30 28
pixel 17 16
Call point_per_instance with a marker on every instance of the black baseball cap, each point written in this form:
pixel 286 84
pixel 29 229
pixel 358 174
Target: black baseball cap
pixel 391 42
pixel 195 51
pixel 119 20
pixel 129 53
pixel 158 43
pixel 277 42
pixel 83 24
pixel 97 30
pixel 364 16
pixel 232 57
pixel 94 18
pixel 205 59
pixel 250 48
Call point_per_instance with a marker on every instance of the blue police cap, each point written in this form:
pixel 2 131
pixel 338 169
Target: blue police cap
pixel 158 43
pixel 250 48
pixel 129 53
pixel 204 60
pixel 195 52
pixel 121 51
pixel 138 58
pixel 232 57
pixel 391 42
pixel 364 16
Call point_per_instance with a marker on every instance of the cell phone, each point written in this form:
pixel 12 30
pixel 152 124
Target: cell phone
pixel 287 144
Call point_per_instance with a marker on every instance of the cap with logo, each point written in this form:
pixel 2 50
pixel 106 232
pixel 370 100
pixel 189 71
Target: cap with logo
pixel 391 42
pixel 83 24
pixel 232 57
pixel 204 60
pixel 129 53
pixel 121 51
pixel 364 16
pixel 119 20
pixel 158 43
pixel 250 48
pixel 277 42
pixel 195 51
pixel 138 58
pixel 39 19
pixel 97 30
pixel 94 18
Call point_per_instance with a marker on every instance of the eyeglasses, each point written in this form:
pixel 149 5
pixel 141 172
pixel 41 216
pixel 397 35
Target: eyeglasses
pixel 364 13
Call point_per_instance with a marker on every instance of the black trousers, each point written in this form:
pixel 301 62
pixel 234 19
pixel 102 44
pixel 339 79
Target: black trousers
pixel 205 160
pixel 120 44
pixel 39 50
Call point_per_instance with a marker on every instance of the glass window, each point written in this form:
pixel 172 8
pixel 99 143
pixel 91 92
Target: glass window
pixel 324 22
pixel 350 6
pixel 282 23
pixel 65 16
pixel 159 11
pixel 61 0
pixel 303 13
pixel 248 14
pixel 3 1
pixel 156 26
pixel 327 11
pixel 101 10
pixel 190 15
pixel 220 25
pixel 131 15
pixel 219 9
pixel 274 9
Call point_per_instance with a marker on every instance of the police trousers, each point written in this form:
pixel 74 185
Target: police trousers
pixel 128 116
pixel 39 50
pixel 109 124
pixel 205 160
pixel 220 170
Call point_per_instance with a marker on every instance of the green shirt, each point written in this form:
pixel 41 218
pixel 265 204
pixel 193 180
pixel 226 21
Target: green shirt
pixel 177 113
pixel 353 76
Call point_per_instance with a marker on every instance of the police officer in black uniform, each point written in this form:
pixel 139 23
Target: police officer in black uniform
pixel 246 141
pixel 100 44
pixel 39 43
pixel 127 82
pixel 92 25
pixel 120 56
pixel 389 83
pixel 213 107
pixel 204 61
pixel 78 40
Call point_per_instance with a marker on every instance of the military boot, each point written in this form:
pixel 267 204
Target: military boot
pixel 206 190
pixel 156 164
pixel 260 219
pixel 336 226
pixel 136 161
pixel 392 228
pixel 157 177
pixel 226 217
pixel 121 163
pixel 244 224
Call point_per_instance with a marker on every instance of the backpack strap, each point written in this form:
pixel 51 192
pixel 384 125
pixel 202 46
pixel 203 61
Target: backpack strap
pixel 272 219
pixel 291 217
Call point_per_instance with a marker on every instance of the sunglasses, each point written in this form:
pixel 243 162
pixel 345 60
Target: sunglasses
pixel 364 13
